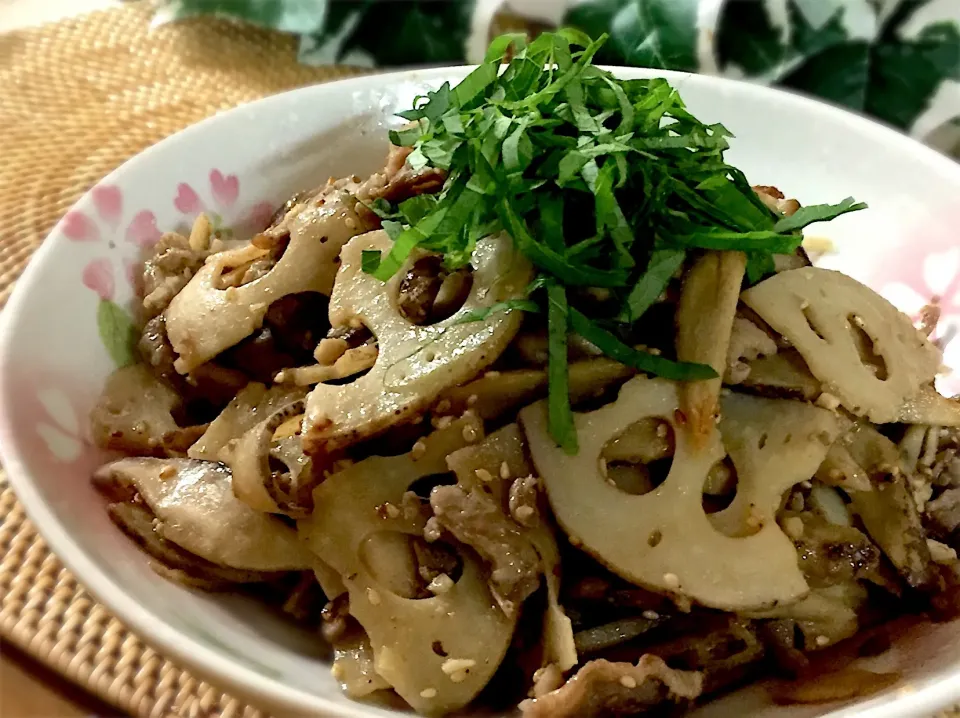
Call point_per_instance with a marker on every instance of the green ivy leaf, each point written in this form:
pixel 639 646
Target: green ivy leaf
pixel 403 32
pixel 839 54
pixel 750 40
pixel 648 33
pixel 117 332
pixel 301 17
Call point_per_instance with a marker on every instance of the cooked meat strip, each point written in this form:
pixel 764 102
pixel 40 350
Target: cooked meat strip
pixel 173 264
pixel 943 513
pixel 602 689
pixel 155 349
pixel 400 181
pixel 477 520
pixel 943 467
pixel 830 554
pixel 775 200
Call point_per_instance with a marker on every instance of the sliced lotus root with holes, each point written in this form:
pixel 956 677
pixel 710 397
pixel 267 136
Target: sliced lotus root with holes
pixel 472 631
pixel 774 444
pixel 415 363
pixel 662 540
pixel 204 320
pixel 833 321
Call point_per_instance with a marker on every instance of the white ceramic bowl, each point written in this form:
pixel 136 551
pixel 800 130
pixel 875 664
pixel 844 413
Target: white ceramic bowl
pixel 63 331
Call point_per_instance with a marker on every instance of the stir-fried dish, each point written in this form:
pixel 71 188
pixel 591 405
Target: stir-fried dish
pixel 552 410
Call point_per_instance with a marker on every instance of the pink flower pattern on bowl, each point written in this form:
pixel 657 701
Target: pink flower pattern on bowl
pixel 52 422
pixel 224 191
pixel 108 201
pixel 116 325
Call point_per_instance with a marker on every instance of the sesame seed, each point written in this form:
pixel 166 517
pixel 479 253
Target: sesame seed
pixel 651 615
pixel 504 471
pixel 458 677
pixel 444 421
pixel 443 406
pixel 827 401
pixel 472 399
pixel 373 597
pixel 524 512
pixel 418 450
pixel 671 580
pixel 469 434
pixel 483 475
pixel 793 526
pixel 575 541
pixel 455 665
pixel 350 222
pixel 804 304
pixel 432 531
pixel 628 681
pixel 392 511
pixel 662 430
pixel 493 374
pixel 168 472
pixel 440 585
pixel 753 522
pixel 428 693
pixel 822 640
pixel 806 484
pixel 280 377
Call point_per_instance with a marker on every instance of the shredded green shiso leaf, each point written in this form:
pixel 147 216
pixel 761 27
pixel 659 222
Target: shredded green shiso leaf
pixel 601 183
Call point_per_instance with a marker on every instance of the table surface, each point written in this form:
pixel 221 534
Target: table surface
pixel 28 690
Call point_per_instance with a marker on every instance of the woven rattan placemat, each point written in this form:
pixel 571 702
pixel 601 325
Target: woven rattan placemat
pixel 77 98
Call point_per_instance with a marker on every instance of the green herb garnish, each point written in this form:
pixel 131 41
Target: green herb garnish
pixel 601 183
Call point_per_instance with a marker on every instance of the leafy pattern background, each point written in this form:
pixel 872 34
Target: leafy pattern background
pixel 897 60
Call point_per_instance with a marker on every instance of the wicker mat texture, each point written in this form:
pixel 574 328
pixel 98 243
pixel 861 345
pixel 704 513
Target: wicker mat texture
pixel 77 98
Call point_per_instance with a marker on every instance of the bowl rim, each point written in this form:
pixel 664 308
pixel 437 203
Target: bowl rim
pixel 193 654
